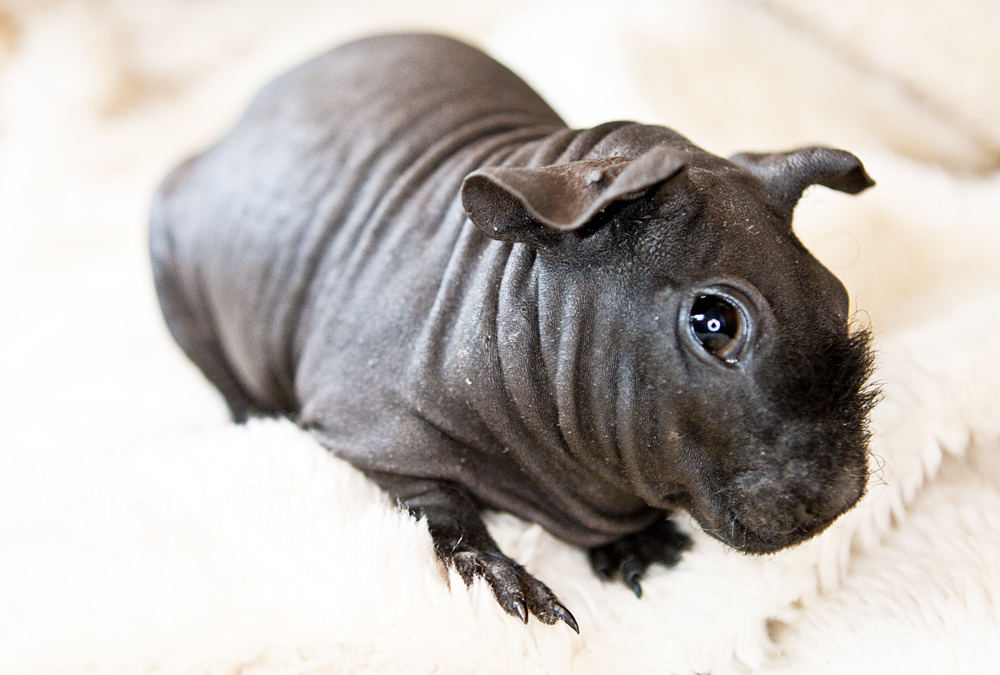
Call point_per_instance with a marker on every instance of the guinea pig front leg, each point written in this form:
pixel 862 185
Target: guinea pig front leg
pixel 461 539
pixel 630 556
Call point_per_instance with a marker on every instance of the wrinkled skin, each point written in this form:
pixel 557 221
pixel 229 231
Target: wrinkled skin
pixel 405 250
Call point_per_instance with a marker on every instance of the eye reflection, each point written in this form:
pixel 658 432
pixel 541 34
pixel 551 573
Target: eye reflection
pixel 717 325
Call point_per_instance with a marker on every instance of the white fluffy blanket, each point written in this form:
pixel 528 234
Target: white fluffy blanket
pixel 141 532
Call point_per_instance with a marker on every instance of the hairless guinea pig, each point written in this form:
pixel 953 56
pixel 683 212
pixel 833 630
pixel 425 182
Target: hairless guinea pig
pixel 404 249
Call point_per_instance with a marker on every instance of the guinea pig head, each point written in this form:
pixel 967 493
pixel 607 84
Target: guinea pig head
pixel 714 360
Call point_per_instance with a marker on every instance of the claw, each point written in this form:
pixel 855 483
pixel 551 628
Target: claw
pixel 520 611
pixel 633 583
pixel 566 617
pixel 632 569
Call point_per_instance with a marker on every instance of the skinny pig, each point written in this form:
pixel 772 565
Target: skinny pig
pixel 405 250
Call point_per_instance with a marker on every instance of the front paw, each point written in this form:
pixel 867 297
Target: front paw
pixel 629 557
pixel 517 591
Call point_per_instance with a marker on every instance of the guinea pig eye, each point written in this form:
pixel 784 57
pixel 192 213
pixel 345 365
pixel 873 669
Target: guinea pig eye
pixel 717 325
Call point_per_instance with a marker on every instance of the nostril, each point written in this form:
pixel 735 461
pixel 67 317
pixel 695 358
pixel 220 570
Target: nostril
pixel 802 515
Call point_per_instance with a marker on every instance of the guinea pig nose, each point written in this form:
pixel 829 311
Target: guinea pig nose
pixel 765 506
pixel 781 506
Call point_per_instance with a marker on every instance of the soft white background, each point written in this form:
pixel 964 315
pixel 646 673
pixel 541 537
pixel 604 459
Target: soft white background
pixel 141 532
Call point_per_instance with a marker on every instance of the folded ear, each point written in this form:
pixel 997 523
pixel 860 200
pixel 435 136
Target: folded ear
pixel 533 205
pixel 788 174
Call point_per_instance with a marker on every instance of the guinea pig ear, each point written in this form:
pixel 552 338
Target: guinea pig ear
pixel 788 174
pixel 535 205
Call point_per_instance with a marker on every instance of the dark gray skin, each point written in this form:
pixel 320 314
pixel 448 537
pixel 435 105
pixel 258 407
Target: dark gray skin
pixel 405 250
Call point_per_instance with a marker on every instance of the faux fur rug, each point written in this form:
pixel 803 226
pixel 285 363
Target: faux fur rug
pixel 141 532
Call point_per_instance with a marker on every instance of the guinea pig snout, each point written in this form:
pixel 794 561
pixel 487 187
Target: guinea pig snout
pixel 781 506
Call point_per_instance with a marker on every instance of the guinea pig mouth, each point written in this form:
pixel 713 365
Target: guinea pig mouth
pixel 764 517
pixel 737 535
